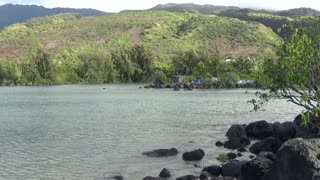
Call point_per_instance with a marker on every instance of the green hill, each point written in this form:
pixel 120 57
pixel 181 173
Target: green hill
pixel 148 39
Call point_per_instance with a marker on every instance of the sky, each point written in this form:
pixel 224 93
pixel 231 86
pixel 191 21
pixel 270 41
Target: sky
pixel 118 5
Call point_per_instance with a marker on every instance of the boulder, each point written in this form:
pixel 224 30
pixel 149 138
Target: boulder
pixel 259 130
pixel 245 141
pixel 297 159
pixel 117 178
pixel 232 155
pixel 204 176
pixel 165 173
pixel 232 168
pixel 213 170
pixel 223 178
pixel 270 144
pixel 236 131
pixel 242 149
pixel 305 131
pixel 195 155
pixel 284 131
pixel 255 169
pixel 232 144
pixel 151 178
pixel 162 152
pixel 268 155
pixel 188 177
pixel 219 144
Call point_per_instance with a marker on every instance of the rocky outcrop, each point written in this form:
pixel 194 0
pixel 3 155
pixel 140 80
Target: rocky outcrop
pixel 236 131
pixel 259 130
pixel 270 144
pixel 188 177
pixel 297 159
pixel 232 168
pixel 255 169
pixel 162 152
pixel 213 170
pixel 284 131
pixel 303 130
pixel 195 155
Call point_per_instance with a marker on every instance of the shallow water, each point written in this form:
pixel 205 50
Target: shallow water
pixel 85 132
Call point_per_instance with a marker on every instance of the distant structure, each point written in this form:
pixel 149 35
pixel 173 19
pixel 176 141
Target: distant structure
pixel 177 78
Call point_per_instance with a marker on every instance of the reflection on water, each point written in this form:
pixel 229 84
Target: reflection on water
pixel 85 132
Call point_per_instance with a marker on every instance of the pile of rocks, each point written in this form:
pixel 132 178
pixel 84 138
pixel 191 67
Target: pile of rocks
pixel 281 151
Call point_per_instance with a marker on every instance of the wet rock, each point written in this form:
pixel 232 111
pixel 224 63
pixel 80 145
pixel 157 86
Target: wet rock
pixel 268 155
pixel 213 170
pixel 204 176
pixel 162 152
pixel 165 173
pixel 232 156
pixel 251 156
pixel 151 178
pixel 188 177
pixel 259 130
pixel 232 144
pixel 232 168
pixel 242 149
pixel 219 144
pixel 236 131
pixel 255 169
pixel 305 131
pixel 297 159
pixel 117 178
pixel 245 141
pixel 284 131
pixel 270 144
pixel 195 155
pixel 239 154
pixel 222 178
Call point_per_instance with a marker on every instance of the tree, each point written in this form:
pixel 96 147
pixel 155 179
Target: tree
pixel 295 75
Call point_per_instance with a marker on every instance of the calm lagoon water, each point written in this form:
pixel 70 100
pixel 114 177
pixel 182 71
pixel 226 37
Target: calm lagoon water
pixel 85 132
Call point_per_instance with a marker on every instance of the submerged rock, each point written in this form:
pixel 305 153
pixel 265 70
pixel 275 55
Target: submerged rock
pixel 195 155
pixel 165 173
pixel 162 152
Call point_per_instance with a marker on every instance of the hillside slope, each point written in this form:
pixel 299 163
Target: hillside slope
pixel 10 14
pixel 165 32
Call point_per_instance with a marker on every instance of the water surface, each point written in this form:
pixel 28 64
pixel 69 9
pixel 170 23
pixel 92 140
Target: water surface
pixel 85 132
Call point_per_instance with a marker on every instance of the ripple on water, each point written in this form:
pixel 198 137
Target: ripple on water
pixel 82 132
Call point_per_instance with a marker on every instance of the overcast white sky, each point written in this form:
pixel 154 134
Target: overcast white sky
pixel 118 5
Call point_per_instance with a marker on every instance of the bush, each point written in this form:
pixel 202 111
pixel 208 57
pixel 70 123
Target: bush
pixel 229 78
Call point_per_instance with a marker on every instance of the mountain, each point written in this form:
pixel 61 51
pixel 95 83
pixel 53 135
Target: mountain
pixel 10 14
pixel 273 19
pixel 298 12
pixel 166 33
pixel 192 8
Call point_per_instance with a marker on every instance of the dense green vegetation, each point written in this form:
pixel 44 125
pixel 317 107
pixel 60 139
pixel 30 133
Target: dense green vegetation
pixel 132 47
pixel 295 74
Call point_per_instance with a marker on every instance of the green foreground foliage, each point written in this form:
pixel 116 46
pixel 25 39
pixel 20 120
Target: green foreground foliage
pixel 295 74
